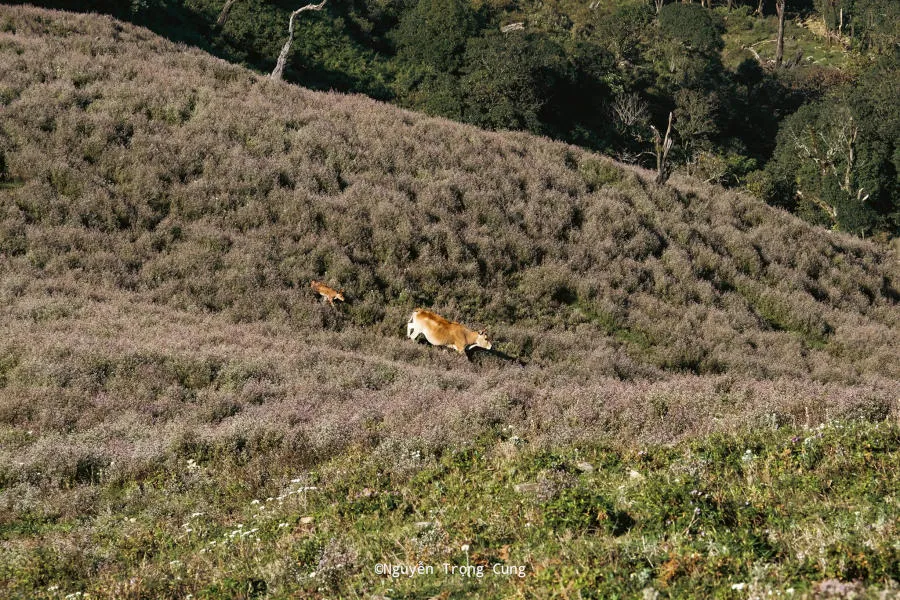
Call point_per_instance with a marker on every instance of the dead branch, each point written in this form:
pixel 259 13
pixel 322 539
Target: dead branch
pixel 850 138
pixel 829 210
pixel 751 48
pixel 755 54
pixel 661 146
pixel 223 16
pixel 282 58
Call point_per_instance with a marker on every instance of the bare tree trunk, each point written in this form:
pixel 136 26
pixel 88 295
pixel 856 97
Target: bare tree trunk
pixel 223 16
pixel 779 44
pixel 658 4
pixel 759 8
pixel 828 209
pixel 520 26
pixel 851 155
pixel 662 145
pixel 282 58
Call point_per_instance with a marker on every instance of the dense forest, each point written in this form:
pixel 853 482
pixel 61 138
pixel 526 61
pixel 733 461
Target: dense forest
pixel 812 128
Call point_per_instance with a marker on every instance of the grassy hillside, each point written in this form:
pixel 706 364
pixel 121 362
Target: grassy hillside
pixel 161 214
pixel 600 74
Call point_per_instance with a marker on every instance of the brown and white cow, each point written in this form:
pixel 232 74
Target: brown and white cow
pixel 441 332
pixel 329 294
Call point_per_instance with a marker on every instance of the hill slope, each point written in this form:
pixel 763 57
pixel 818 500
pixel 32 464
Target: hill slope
pixel 146 172
pixel 141 172
pixel 161 213
pixel 199 185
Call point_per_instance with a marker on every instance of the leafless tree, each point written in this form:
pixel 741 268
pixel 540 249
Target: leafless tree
pixel 661 147
pixel 282 58
pixel 513 27
pixel 223 16
pixel 629 110
pixel 832 149
pixel 779 43
pixel 658 4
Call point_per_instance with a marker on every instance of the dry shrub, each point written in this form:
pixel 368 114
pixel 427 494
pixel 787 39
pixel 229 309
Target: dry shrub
pixel 169 210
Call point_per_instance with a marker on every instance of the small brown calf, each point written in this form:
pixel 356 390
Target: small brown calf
pixel 329 294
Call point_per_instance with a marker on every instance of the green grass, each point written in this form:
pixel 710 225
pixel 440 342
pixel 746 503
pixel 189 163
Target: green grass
pixel 744 30
pixel 764 512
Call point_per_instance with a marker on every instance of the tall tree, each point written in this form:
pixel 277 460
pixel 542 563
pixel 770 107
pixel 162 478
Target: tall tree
pixel 509 81
pixel 837 159
pixel 779 42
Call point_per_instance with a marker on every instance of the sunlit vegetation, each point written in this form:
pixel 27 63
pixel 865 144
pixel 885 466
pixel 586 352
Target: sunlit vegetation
pixel 693 392
pixel 569 68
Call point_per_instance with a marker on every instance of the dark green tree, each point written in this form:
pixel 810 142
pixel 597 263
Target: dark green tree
pixel 430 39
pixel 876 111
pixel 621 30
pixel 694 27
pixel 510 81
pixel 873 25
pixel 837 160
pixel 686 51
pixel 434 33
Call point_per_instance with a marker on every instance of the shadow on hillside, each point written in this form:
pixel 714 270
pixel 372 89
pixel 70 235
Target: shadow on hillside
pixel 173 21
pixel 620 522
pixel 190 25
pixel 478 355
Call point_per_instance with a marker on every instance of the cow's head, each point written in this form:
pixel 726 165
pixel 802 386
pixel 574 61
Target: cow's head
pixel 482 342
